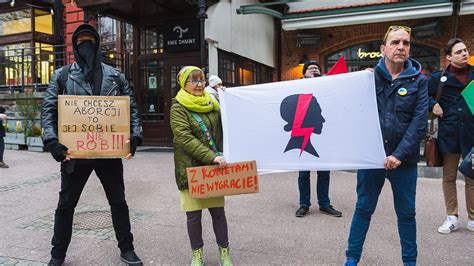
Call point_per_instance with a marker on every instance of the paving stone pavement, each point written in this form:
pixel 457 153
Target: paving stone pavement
pixel 262 227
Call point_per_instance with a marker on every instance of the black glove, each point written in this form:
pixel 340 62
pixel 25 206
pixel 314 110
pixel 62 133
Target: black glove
pixel 58 150
pixel 134 143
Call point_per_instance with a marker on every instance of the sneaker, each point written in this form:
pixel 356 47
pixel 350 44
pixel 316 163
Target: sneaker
pixel 350 262
pixel 3 165
pixel 470 225
pixel 302 211
pixel 55 262
pixel 130 258
pixel 197 258
pixel 451 224
pixel 330 211
pixel 225 259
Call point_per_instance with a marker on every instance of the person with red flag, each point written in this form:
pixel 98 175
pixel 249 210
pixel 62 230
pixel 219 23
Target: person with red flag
pixel 311 69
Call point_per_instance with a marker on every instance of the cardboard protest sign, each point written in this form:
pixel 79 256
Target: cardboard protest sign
pixel 212 181
pixel 94 126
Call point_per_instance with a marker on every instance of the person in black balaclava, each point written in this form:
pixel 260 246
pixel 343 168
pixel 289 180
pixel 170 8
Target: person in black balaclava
pixel 88 76
pixel 87 56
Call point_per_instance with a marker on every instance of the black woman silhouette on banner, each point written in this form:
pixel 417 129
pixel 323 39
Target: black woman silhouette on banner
pixel 303 114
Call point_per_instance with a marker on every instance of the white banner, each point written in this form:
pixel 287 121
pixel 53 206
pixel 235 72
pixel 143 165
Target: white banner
pixel 325 123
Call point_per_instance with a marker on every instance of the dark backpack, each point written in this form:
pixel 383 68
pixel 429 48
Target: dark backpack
pixel 63 76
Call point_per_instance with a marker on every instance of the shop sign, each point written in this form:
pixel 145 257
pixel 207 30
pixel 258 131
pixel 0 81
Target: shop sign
pixel 151 109
pixel 368 55
pixel 181 36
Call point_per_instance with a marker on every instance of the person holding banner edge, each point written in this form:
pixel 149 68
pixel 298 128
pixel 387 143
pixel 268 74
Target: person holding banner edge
pixel 311 69
pixel 88 76
pixel 197 130
pixel 215 84
pixel 402 100
pixel 455 128
pixel 3 119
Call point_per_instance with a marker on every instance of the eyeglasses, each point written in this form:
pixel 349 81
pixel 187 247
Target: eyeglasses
pixel 396 27
pixel 313 68
pixel 195 82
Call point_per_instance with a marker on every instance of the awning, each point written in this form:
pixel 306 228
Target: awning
pixel 135 10
pixel 467 7
pixel 367 14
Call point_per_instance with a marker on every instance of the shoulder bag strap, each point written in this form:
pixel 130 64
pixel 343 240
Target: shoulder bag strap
pixel 206 132
pixel 438 96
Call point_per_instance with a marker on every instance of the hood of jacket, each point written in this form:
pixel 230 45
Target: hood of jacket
pixel 411 69
pixel 90 29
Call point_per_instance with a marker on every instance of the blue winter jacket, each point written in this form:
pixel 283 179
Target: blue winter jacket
pixel 403 110
pixel 456 126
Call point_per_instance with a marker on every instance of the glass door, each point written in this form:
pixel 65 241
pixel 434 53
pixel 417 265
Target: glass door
pixel 158 85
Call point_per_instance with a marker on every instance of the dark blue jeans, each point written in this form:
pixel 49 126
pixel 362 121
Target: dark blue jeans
pixel 369 185
pixel 322 188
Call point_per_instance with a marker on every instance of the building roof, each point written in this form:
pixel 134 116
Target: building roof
pixel 331 7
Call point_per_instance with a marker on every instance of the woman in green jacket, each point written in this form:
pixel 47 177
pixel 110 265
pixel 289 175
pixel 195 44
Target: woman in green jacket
pixel 196 145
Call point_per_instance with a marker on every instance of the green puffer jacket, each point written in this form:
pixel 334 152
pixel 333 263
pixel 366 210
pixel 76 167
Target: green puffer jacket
pixel 191 147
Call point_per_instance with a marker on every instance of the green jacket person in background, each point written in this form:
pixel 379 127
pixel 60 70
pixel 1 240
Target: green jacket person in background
pixel 196 145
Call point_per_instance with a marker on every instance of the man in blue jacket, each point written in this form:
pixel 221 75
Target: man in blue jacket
pixel 402 100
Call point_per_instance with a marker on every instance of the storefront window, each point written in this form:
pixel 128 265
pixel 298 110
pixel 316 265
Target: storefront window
pixel 365 55
pixel 227 70
pixel 151 42
pixel 22 65
pixel 44 62
pixel 152 76
pixel 15 64
pixel 235 70
pixel 15 22
pixel 128 29
pixel 107 29
pixel 43 21
pixel 248 73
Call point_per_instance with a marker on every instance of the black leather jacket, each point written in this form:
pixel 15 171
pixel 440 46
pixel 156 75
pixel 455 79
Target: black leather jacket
pixel 77 85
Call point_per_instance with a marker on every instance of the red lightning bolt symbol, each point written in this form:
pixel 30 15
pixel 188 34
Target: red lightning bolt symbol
pixel 301 109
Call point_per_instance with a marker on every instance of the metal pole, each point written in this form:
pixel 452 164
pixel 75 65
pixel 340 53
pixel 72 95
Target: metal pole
pixel 86 16
pixel 58 32
pixel 202 18
pixel 23 69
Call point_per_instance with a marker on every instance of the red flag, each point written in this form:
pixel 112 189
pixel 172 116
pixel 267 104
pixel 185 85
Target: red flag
pixel 339 67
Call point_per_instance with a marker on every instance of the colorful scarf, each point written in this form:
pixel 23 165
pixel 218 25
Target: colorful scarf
pixel 198 104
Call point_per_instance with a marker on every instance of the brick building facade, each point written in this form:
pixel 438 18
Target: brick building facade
pixel 335 39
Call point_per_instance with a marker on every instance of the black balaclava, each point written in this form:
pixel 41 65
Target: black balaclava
pixel 87 55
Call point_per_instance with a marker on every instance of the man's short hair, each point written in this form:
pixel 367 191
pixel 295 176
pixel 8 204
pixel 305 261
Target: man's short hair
pixel 451 43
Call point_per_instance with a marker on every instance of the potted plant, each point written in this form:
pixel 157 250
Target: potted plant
pixel 14 135
pixel 29 109
pixel 34 140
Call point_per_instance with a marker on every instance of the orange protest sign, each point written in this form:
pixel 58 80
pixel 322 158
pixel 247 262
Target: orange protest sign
pixel 212 181
pixel 94 126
